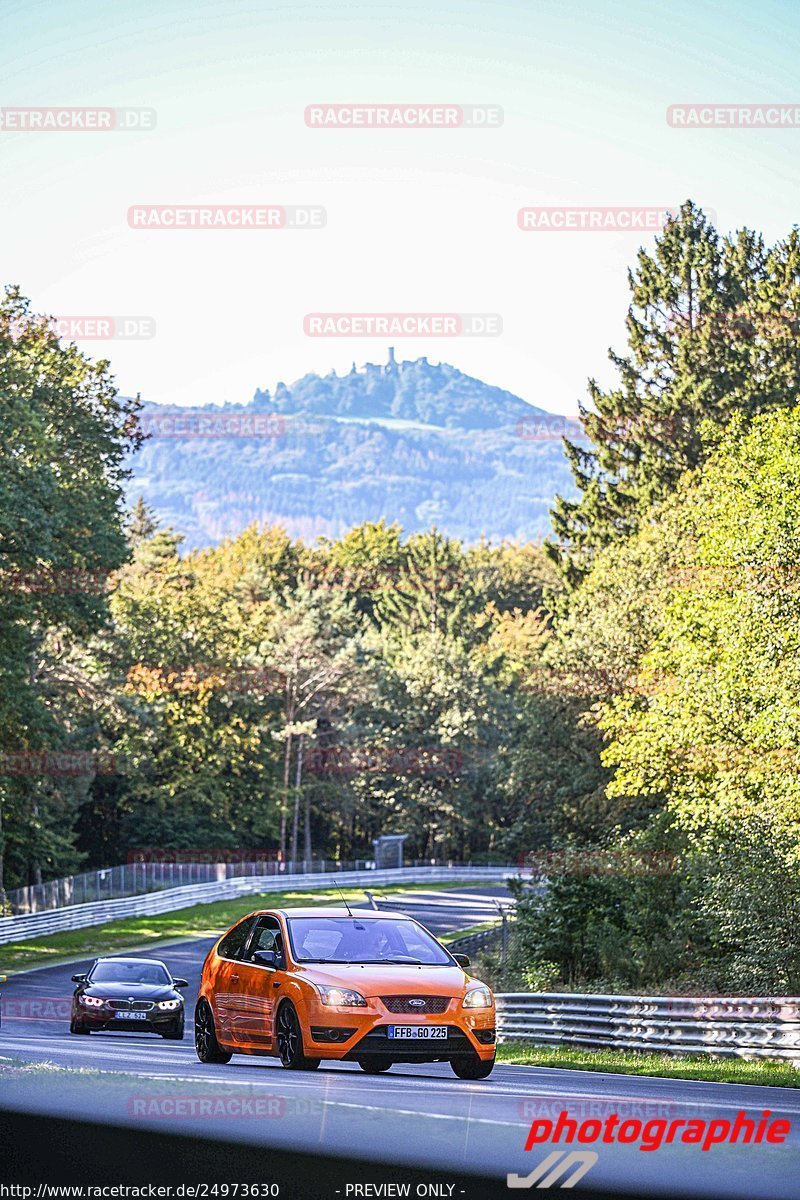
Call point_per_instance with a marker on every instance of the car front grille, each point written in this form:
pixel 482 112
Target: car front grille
pixel 132 1005
pixel 416 1004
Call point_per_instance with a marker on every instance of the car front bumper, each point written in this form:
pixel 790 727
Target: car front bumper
pixel 102 1019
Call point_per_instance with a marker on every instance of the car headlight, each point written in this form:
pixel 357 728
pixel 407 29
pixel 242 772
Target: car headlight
pixel 169 1004
pixel 338 997
pixel 92 1001
pixel 479 997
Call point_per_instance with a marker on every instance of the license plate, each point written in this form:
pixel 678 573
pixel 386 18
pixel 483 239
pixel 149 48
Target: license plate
pixel 131 1016
pixel 418 1032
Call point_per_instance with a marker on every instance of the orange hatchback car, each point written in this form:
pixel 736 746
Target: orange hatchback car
pixel 375 988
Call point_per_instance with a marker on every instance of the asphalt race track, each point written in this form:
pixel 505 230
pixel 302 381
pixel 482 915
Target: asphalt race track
pixel 419 1116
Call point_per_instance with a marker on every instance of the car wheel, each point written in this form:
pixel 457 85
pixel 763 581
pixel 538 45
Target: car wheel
pixel 290 1041
pixel 205 1036
pixel 472 1067
pixel 374 1066
pixel 75 1027
pixel 176 1033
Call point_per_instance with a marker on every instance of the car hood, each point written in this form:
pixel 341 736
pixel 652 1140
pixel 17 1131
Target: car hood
pixel 124 991
pixel 374 979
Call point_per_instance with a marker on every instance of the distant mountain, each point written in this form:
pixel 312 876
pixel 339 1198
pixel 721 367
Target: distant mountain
pixel 415 442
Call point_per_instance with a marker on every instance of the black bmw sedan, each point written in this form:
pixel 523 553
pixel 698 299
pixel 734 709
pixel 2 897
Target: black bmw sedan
pixel 131 994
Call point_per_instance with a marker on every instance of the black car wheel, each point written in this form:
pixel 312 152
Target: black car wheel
pixel 374 1066
pixel 175 1034
pixel 205 1036
pixel 76 1027
pixel 472 1067
pixel 290 1041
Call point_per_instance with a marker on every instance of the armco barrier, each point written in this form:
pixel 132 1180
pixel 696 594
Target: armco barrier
pixel 81 916
pixel 740 1026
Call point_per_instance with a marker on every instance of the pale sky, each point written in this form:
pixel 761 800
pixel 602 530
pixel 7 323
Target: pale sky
pixel 417 220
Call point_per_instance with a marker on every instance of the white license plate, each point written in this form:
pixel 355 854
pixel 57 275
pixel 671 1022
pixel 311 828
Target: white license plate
pixel 418 1032
pixel 131 1016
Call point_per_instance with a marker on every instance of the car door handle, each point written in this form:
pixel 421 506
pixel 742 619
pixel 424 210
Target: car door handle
pixel 234 978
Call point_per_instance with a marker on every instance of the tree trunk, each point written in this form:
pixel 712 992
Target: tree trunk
pixel 307 830
pixel 2 887
pixel 297 781
pixel 287 759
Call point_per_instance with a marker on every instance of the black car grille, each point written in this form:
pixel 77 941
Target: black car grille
pixel 132 1005
pixel 416 1004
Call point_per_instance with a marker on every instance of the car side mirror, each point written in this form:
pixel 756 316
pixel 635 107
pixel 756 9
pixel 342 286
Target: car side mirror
pixel 267 958
pixel 79 978
pixel 180 983
pixel 462 960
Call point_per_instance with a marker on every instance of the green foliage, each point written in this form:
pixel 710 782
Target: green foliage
pixel 712 333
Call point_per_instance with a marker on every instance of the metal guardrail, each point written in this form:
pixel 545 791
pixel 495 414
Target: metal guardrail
pixel 739 1026
pixel 158 872
pixel 82 916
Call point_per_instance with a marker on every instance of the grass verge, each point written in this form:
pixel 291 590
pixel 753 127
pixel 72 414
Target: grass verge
pixel 630 1062
pixel 455 934
pixel 201 920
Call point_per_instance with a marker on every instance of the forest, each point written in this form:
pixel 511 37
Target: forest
pixel 618 706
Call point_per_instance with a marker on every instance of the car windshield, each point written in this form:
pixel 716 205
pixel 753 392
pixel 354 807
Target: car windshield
pixel 129 972
pixel 364 940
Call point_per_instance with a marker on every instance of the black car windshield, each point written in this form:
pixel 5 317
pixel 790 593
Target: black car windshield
pixel 130 972
pixel 364 940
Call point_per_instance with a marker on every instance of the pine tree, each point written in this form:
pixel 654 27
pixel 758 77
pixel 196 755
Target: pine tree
pixel 711 331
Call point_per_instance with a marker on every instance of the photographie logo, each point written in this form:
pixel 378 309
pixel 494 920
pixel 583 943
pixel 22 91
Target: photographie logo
pixel 77 120
pixel 402 324
pixel 403 116
pixel 734 116
pixel 227 216
pixel 53 581
pixel 587 219
pixel 190 423
pixel 651 1135
pixel 59 763
pixel 384 760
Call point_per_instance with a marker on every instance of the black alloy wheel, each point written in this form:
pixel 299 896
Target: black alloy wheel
pixel 205 1036
pixel 290 1041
